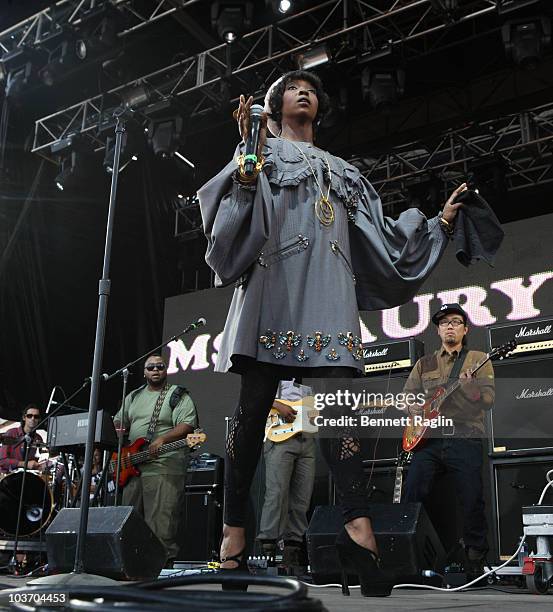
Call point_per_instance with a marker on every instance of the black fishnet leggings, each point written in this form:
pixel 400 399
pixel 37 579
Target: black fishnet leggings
pixel 245 440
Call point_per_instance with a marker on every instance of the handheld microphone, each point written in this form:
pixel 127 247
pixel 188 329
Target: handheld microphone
pixel 252 144
pixel 199 323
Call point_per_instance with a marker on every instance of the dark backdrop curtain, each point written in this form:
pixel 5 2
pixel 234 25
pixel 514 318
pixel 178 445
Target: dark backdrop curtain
pixel 49 280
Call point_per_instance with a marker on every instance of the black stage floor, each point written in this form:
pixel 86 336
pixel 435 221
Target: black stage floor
pixel 412 599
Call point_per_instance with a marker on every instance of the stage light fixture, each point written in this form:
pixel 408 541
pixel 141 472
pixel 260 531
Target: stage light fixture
pixel 508 6
pixel 278 6
pixel 526 40
pixel 284 6
pixel 382 87
pixel 448 9
pixel 61 60
pixel 315 56
pixel 81 49
pixel 68 167
pixel 164 135
pixel 134 97
pixel 231 18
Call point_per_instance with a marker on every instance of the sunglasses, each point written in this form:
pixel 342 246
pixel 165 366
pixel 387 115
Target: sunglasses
pixel 155 366
pixel 32 416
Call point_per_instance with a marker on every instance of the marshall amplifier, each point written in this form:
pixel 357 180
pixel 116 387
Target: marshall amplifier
pixel 532 336
pixel 397 355
pixel 521 421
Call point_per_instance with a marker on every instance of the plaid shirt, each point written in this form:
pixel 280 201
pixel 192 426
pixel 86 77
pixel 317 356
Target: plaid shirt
pixel 10 456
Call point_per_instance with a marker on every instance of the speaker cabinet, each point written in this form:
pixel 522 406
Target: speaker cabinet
pixel 517 483
pixel 119 544
pixel 522 417
pixel 201 525
pixel 406 539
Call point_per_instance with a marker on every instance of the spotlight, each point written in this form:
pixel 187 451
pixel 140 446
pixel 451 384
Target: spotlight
pixel 382 88
pixel 448 9
pixel 279 6
pixel 526 40
pixel 12 62
pixel 66 177
pixel 164 135
pixel 508 6
pixel 134 97
pixel 312 57
pixel 231 18
pixel 61 60
pixel 81 49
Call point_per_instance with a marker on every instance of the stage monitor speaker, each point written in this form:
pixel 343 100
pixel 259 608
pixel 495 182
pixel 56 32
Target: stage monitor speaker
pixel 517 484
pixel 406 539
pixel 119 544
pixel 522 418
pixel 442 505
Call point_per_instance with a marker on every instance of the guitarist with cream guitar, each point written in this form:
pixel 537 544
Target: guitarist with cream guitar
pixel 289 455
pixel 459 385
pixel 158 418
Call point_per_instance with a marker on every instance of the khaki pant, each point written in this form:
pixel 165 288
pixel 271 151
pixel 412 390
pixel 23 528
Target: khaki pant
pixel 289 478
pixel 158 498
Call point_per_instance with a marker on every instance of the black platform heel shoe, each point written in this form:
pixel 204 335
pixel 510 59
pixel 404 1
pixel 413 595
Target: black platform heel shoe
pixel 355 559
pixel 241 570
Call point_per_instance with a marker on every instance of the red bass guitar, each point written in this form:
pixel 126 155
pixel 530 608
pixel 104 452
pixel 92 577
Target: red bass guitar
pixel 136 453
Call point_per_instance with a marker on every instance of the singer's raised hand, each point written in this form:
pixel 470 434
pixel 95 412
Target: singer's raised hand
pixel 242 116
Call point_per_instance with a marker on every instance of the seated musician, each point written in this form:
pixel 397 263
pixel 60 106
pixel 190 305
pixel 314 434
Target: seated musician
pixel 12 456
pixel 289 478
pixel 459 449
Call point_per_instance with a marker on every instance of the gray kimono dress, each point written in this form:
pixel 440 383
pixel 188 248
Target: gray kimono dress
pixel 300 284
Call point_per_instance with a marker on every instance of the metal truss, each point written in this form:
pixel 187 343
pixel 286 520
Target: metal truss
pixel 67 14
pixel 352 30
pixel 519 146
pixel 188 220
pixel 34 30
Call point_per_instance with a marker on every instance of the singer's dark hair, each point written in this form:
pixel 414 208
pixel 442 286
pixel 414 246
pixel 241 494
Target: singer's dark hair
pixel 275 99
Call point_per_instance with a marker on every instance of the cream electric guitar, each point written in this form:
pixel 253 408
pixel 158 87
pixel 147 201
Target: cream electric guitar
pixel 279 430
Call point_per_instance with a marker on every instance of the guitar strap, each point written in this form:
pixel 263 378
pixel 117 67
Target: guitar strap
pixel 155 414
pixel 456 369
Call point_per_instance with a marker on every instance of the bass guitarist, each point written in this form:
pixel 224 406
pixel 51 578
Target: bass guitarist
pixel 458 449
pixel 162 413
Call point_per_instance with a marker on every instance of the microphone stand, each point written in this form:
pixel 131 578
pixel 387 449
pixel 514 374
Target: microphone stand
pixel 76 575
pixel 103 292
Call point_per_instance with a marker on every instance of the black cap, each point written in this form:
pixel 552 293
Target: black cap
pixel 446 309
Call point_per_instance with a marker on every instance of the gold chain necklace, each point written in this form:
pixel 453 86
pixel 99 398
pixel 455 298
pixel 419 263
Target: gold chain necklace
pixel 323 206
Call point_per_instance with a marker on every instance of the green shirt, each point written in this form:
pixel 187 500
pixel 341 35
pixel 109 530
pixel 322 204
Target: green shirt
pixel 137 419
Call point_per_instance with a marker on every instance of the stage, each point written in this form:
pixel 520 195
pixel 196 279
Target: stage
pixel 489 599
